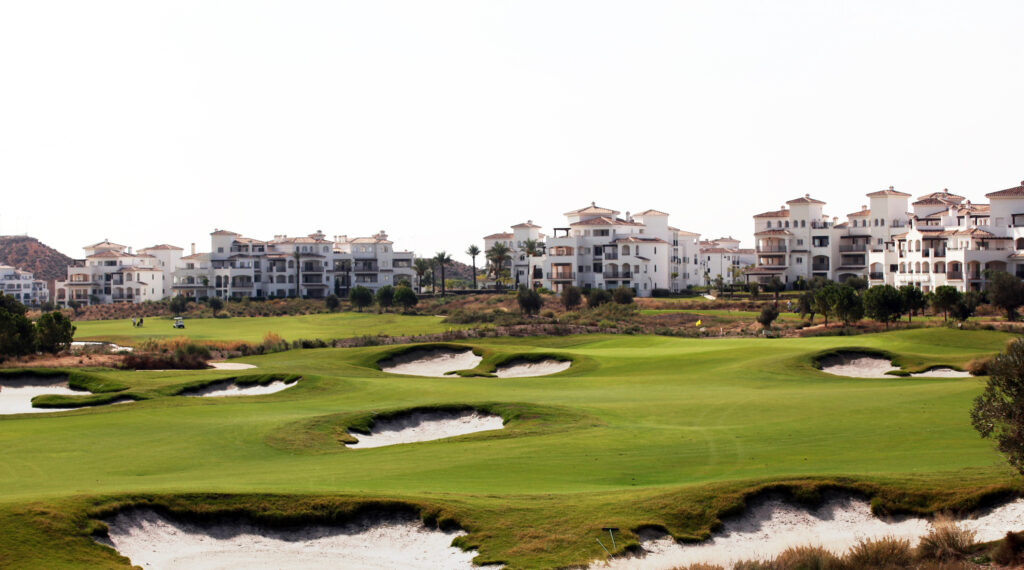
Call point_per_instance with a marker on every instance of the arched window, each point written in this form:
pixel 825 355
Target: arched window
pixel 803 223
pixel 1020 243
pixel 903 267
pixel 787 223
pixel 924 267
pixel 917 245
pixel 625 250
pixel 917 267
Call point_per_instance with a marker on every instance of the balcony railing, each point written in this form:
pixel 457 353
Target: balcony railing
pixel 853 247
pixel 618 275
pixel 819 267
pixel 562 276
pixel 954 275
pixel 877 275
pixel 772 249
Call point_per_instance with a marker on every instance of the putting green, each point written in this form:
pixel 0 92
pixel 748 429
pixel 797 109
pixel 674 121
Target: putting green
pixel 641 430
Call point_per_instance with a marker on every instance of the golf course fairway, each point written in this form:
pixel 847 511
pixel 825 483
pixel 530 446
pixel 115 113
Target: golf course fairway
pixel 641 431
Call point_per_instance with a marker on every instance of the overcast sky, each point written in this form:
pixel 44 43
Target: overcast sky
pixel 442 122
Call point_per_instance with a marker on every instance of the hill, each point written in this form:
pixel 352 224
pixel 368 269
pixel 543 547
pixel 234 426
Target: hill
pixel 29 254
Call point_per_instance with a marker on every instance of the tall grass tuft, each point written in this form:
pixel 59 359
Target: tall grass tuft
pixel 887 552
pixel 945 541
pixel 806 558
pixel 1011 550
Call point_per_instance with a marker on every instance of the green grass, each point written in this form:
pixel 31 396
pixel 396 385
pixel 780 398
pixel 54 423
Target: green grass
pixel 642 431
pixel 253 329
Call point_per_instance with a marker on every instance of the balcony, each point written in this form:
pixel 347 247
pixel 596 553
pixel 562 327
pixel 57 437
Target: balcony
pixel 772 249
pixel 876 275
pixel 856 247
pixel 562 276
pixel 365 267
pixel 819 267
pixel 617 275
pixel 956 275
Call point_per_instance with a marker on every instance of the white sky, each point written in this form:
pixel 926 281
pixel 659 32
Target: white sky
pixel 442 122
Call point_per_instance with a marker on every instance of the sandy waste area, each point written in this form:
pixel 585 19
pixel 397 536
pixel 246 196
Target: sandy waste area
pixel 527 369
pixel 96 344
pixel 16 394
pixel 231 365
pixel 866 366
pixel 425 426
pixel 773 525
pixel 152 541
pixel 438 363
pixel 226 389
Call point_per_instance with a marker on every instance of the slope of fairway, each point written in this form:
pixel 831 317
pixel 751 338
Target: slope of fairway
pixel 253 329
pixel 641 430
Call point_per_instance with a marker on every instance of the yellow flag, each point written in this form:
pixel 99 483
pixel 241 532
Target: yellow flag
pixel 698 322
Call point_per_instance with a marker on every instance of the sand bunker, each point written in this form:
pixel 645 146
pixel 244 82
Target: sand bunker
pixel 773 525
pixel 104 345
pixel 425 426
pixel 16 393
pixel 860 365
pixel 438 362
pixel 229 388
pixel 231 365
pixel 152 541
pixel 523 369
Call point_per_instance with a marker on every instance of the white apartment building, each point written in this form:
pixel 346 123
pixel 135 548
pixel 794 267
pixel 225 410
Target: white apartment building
pixel 800 241
pixel 723 257
pixel 598 249
pixel 950 241
pixel 111 273
pixel 23 286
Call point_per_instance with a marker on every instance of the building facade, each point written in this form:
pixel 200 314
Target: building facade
pixel 23 286
pixel 723 257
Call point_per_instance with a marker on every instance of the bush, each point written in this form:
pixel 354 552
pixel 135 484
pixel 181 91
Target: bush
pixel 332 302
pixel 178 304
pixel 768 315
pixel 215 304
pixel 806 558
pixel 572 297
pixel 945 541
pixel 54 332
pixel 385 297
pixel 623 295
pixel 1010 551
pixel 598 297
pixel 360 297
pixel 978 366
pixel 529 300
pixel 406 298
pixel 661 292
pixel 888 552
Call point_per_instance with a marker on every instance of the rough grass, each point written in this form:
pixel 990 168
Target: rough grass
pixel 643 432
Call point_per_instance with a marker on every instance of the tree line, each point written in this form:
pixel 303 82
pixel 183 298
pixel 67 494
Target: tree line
pixel 19 336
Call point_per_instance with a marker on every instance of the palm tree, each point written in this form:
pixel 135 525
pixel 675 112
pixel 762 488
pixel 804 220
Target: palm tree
pixel 498 255
pixel 442 258
pixel 473 251
pixel 531 248
pixel 297 256
pixel 420 266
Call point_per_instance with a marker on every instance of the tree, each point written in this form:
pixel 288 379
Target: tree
pixel 1006 292
pixel 945 298
pixel 572 297
pixel 824 300
pixel 719 284
pixel 884 303
pixel 532 248
pixel 17 336
pixel 472 252
pixel 297 256
pixel 966 306
pixel 420 266
pixel 768 315
pixel 996 412
pixel 805 304
pixel 622 295
pixel 497 256
pixel 442 258
pixel 913 300
pixel 360 297
pixel 385 297
pixel 216 304
pixel 529 300
pixel 332 302
pixel 12 305
pixel 847 305
pixel 755 290
pixel 178 304
pixel 776 286
pixel 406 298
pixel 597 297
pixel 858 283
pixel 54 332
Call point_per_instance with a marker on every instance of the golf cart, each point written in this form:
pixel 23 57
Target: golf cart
pixel 179 323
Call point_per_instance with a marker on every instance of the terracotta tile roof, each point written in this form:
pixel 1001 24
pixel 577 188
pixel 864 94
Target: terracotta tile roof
pixel 900 236
pixel 773 233
pixel 723 250
pixel 605 221
pixel 974 208
pixel 944 195
pixel 163 246
pixel 105 243
pixel 196 256
pixel 108 254
pixel 683 232
pixel 651 213
pixel 805 199
pixel 378 240
pixel 1015 192
pixel 526 225
pixel 890 191
pixel 499 236
pixel 638 239
pixel 250 241
pixel 861 214
pixel 842 225
pixel 979 233
pixel 591 209
pixel 775 214
pixel 935 202
pixel 223 233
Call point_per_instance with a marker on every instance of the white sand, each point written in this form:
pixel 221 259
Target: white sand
pixel 152 541
pixel 16 394
pixel 773 525
pixel 425 426
pixel 866 366
pixel 231 365
pixel 433 362
pixel 225 389
pixel 526 369
pixel 109 345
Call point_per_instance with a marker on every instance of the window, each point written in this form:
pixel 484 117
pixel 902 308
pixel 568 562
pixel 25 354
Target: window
pixel 787 223
pixel 220 250
pixel 799 260
pixel 799 242
pixel 803 223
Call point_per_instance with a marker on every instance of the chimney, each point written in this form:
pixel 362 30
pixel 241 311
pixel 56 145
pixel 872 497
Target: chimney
pixel 892 187
pixel 807 195
pixel 193 248
pixel 130 247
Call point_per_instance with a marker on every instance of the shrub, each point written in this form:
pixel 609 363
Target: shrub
pixel 406 298
pixel 385 297
pixel 178 304
pixel 598 297
pixel 360 297
pixel 332 302
pixel 272 342
pixel 529 300
pixel 978 366
pixel 805 558
pixel 1010 551
pixel 623 295
pixel 768 315
pixel 54 332
pixel 945 541
pixel 572 297
pixel 887 552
